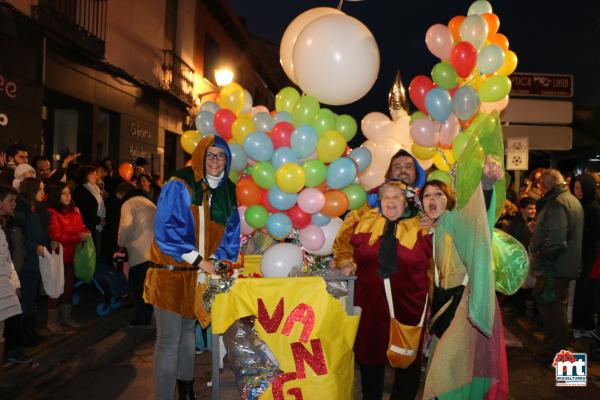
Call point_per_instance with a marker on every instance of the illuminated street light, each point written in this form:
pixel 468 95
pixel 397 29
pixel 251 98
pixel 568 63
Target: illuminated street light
pixel 223 76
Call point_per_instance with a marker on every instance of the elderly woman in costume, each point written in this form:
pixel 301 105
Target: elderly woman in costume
pixel 384 244
pixel 467 355
pixel 196 224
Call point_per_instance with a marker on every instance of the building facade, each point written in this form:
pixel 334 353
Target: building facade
pixel 118 79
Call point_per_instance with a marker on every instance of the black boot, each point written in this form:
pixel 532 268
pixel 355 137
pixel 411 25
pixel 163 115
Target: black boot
pixel 30 337
pixel 186 390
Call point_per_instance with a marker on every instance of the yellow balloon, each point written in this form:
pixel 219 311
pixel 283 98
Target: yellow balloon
pixel 242 127
pixel 189 140
pixel 331 146
pixel 510 64
pixel 290 178
pixel 449 156
pixel 422 152
pixel 440 163
pixel 232 97
pixel 475 80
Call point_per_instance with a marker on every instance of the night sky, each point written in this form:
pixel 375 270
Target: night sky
pixel 549 36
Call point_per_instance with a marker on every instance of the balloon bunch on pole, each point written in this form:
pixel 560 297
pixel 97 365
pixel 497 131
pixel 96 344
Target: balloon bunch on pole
pixel 470 81
pixel 292 167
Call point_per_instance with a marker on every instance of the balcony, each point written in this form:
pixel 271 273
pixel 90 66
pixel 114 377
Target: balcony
pixel 79 22
pixel 177 77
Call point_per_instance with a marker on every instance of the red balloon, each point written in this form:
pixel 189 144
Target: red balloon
pixel 223 120
pixel 347 151
pixel 300 219
pixel 281 134
pixel 418 89
pixel 264 201
pixel 247 192
pixel 126 171
pixel 463 58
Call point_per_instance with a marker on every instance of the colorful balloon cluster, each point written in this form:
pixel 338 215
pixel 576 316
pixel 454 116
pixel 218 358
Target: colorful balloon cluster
pixel 292 166
pixel 471 78
pixel 330 55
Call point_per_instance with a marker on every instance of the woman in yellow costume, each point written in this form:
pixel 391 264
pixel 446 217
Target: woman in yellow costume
pixel 196 224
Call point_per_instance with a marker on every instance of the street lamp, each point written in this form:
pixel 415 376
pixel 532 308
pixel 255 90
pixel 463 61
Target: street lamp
pixel 223 76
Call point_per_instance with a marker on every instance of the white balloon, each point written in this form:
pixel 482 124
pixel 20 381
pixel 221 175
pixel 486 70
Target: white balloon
pixel 336 59
pixel 376 125
pixel 330 230
pixel 291 33
pixel 247 102
pixel 279 259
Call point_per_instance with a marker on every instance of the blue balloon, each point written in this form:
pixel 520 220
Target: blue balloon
pixel 439 104
pixel 210 106
pixel 204 123
pixel 283 116
pixel 490 58
pixel 282 156
pixel 279 225
pixel 319 219
pixel 341 173
pixel 258 146
pixel 281 200
pixel 263 122
pixel 239 160
pixel 465 103
pixel 304 140
pixel 362 157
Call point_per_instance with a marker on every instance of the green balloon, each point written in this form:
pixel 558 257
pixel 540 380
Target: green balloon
pixel 346 125
pixel 305 110
pixel 315 172
pixel 263 174
pixel 442 176
pixel 324 121
pixel 511 263
pixel 234 176
pixel 356 195
pixel 417 115
pixel 256 216
pixel 494 88
pixel 286 99
pixel 444 75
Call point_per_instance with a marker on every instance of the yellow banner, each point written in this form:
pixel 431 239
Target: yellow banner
pixel 308 331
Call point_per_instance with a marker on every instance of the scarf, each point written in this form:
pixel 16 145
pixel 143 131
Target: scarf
pixel 213 181
pixel 95 191
pixel 388 263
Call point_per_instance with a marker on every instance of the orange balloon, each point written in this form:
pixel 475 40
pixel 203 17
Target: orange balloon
pixel 493 23
pixel 247 192
pixel 454 26
pixel 465 124
pixel 322 186
pixel 500 40
pixel 336 204
pixel 126 171
pixel 188 163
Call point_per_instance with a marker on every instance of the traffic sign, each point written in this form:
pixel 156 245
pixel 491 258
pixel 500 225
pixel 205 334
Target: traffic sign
pixel 544 85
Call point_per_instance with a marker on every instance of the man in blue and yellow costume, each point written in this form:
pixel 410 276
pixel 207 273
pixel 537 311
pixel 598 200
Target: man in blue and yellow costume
pixel 196 225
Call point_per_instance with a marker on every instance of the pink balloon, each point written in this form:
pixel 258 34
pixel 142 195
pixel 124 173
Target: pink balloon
pixel 257 109
pixel 311 200
pixel 489 106
pixel 425 132
pixel 439 41
pixel 376 125
pixel 312 237
pixel 281 134
pixel 245 229
pixel 449 130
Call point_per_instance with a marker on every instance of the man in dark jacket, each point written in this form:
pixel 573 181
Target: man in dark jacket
pixel 556 247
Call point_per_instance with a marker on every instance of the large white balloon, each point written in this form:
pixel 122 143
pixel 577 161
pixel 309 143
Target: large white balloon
pixel 330 230
pixel 336 59
pixel 279 259
pixel 291 33
pixel 376 125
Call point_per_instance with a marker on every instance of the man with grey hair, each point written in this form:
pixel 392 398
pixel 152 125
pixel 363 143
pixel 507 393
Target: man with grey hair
pixel 556 248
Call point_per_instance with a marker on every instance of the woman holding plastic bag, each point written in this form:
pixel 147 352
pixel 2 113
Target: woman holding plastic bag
pixel 389 253
pixel 467 354
pixel 66 228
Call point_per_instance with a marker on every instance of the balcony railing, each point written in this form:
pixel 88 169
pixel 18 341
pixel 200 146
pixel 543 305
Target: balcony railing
pixel 82 22
pixel 177 77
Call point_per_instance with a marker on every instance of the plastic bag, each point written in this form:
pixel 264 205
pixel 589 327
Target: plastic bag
pixel 510 262
pixel 52 270
pixel 85 260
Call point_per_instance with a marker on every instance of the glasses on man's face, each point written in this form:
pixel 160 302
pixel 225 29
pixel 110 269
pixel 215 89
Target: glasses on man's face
pixel 216 156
